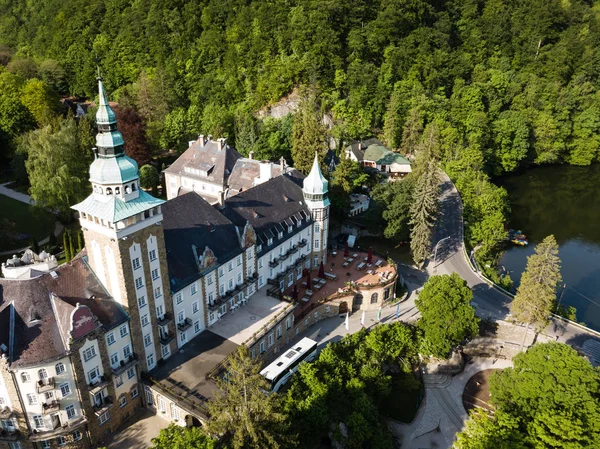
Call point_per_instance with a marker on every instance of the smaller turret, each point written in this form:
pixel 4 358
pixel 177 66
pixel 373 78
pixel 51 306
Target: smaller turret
pixel 316 187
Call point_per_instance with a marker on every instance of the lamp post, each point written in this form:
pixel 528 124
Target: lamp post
pixel 435 253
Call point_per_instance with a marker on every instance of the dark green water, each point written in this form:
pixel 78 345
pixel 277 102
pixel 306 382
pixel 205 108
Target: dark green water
pixel 564 201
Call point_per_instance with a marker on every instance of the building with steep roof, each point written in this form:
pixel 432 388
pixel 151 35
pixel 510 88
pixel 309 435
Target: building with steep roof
pixel 147 307
pixel 372 153
pixel 216 171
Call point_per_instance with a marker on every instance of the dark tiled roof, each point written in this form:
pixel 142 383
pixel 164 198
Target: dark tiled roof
pixel 190 220
pixel 35 333
pixel 41 330
pixel 206 157
pixel 269 204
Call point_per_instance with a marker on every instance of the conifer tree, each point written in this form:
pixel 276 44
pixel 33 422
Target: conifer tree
pixel 71 249
pixel 423 211
pixel 537 291
pixel 79 240
pixel 308 134
pixel 66 248
pixel 241 412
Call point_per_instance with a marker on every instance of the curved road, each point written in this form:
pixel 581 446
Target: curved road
pixel 490 303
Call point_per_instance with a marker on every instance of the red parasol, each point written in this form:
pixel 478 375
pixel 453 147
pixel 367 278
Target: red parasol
pixel 346 252
pixel 370 256
pixel 322 270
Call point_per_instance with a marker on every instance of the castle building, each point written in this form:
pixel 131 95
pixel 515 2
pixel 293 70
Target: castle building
pixel 161 294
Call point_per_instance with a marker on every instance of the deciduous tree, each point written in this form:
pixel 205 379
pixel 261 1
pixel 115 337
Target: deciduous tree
pixel 177 437
pixel 447 317
pixel 149 177
pixel 133 128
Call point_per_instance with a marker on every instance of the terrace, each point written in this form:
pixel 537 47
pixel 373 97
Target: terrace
pixel 338 273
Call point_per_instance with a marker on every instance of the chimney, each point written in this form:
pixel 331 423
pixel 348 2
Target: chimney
pixel 208 138
pixel 221 198
pixel 360 145
pixel 282 164
pixel 266 171
pixel 251 155
pixel 190 143
pixel 201 139
pixel 221 143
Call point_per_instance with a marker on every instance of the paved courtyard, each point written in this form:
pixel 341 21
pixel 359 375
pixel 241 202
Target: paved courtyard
pixel 138 432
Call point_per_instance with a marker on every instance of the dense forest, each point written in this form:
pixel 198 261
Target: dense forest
pixel 487 86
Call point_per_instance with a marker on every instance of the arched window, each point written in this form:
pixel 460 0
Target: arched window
pixel 60 368
pixel 108 191
pixel 127 190
pixel 99 189
pixel 133 187
pixel 42 374
pixel 374 297
pixel 117 190
pixel 25 377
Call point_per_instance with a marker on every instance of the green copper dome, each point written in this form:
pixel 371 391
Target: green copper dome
pixel 113 170
pixel 105 114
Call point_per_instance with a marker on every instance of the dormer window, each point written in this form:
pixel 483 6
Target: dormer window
pixel 259 248
pixel 280 234
pixel 289 228
pixel 270 241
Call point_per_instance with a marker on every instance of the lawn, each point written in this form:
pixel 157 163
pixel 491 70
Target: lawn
pixel 20 222
pixel 387 247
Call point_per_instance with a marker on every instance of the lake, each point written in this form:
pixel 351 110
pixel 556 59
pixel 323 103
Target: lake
pixel 564 201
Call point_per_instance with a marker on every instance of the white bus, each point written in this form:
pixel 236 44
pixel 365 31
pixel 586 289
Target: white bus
pixel 278 372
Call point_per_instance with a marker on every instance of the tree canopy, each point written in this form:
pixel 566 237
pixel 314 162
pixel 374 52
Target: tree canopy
pixel 177 437
pixel 447 317
pixel 549 399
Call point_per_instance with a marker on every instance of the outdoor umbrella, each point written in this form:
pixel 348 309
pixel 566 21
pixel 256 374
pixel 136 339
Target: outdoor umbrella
pixel 322 270
pixel 370 256
pixel 346 252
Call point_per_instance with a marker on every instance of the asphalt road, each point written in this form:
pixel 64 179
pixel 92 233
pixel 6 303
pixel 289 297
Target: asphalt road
pixel 490 303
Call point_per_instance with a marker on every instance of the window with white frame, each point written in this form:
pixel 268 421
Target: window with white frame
pixel 239 278
pixel 42 374
pixel 126 351
pixel 134 392
pixel 223 309
pixel 38 421
pixel 211 297
pixel 123 331
pixel 180 316
pixel 262 346
pixel 118 381
pixel 104 417
pixel 49 396
pixel 89 353
pixel 278 332
pixel 154 274
pixel 317 228
pixel 288 322
pixel 260 263
pixel 110 339
pixel 258 248
pixel 93 375
pixel 197 326
pixel 150 361
pixel 46 444
pixel 270 241
pixel 114 359
pixel 136 263
pixel 122 401
pixel 229 265
pixel 220 271
pixel 65 389
pixel 183 337
pixel 32 398
pixel 209 279
pixel 25 377
pixel 61 441
pixel 71 413
pixel 230 284
pixel 317 244
pixel 239 260
pixel 131 373
pixel 152 255
pixel 261 281
pixel 211 317
pixel 280 234
pixel 165 351
pixel 157 292
pixel 142 301
pixel 149 397
pixel 222 289
pixel 77 435
pixel 194 288
pixel 138 283
pixel 271 341
pixel 159 311
pixel 196 306
pixel 147 340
